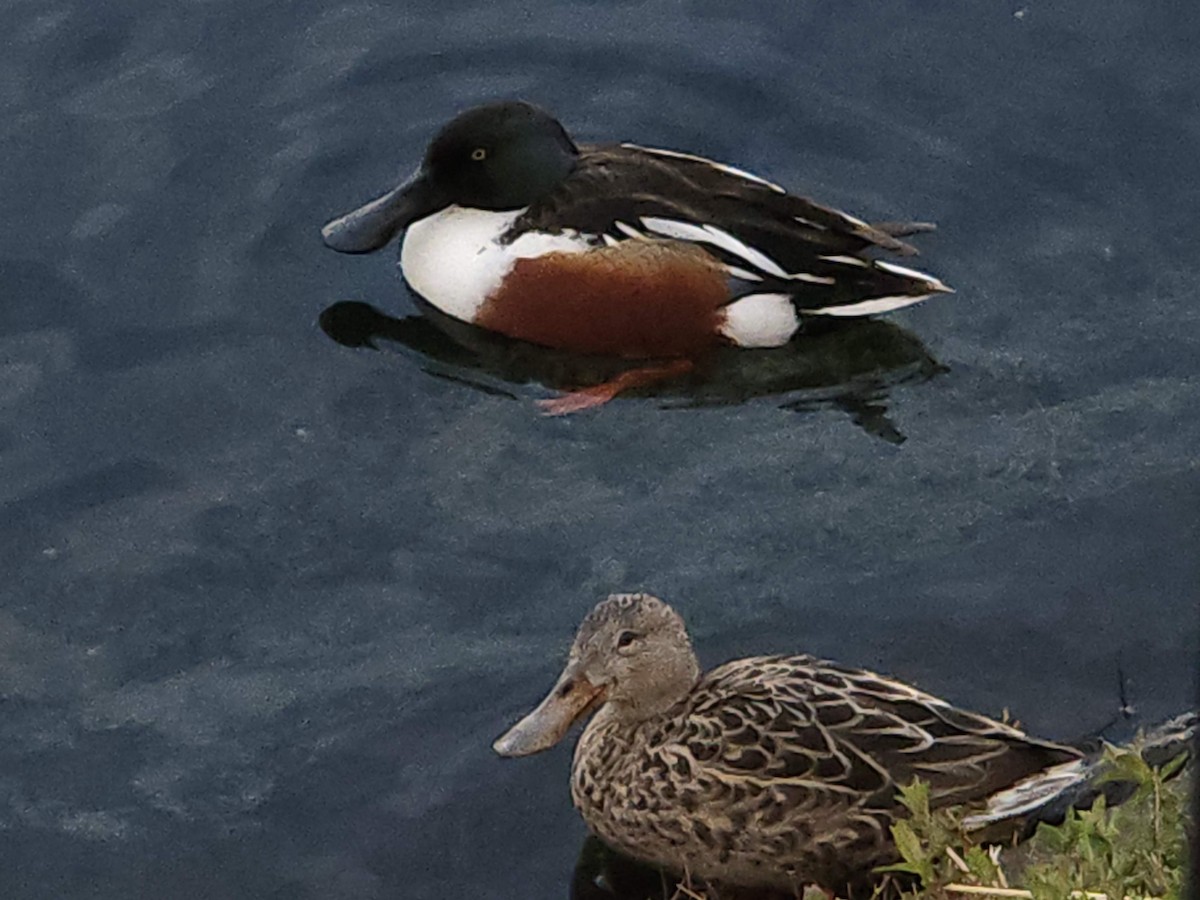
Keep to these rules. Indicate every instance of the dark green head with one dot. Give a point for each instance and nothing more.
(500, 156)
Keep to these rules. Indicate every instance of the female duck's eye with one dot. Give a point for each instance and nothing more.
(625, 638)
(479, 154)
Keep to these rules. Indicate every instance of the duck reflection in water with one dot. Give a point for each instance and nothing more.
(850, 365)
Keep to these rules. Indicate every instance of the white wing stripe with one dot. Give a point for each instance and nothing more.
(673, 228)
(847, 261)
(628, 230)
(906, 272)
(867, 307)
(709, 234)
(754, 257)
(730, 170)
(744, 274)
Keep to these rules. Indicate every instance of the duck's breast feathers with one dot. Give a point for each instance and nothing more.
(851, 735)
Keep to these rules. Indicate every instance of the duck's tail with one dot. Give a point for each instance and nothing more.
(1049, 795)
(904, 229)
(863, 287)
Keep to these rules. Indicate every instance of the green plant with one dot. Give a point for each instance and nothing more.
(1138, 849)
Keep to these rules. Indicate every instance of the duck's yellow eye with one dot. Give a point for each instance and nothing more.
(479, 154)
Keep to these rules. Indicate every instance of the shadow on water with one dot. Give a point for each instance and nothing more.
(603, 874)
(851, 366)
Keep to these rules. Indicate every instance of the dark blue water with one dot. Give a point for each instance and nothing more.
(266, 599)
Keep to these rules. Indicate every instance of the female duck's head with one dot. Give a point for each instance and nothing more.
(502, 156)
(632, 654)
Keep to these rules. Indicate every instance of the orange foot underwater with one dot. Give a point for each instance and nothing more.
(599, 394)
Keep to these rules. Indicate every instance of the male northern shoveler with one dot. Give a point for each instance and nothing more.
(782, 771)
(622, 250)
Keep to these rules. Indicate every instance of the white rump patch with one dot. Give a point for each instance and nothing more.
(722, 167)
(760, 320)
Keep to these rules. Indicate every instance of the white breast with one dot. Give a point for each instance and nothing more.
(454, 258)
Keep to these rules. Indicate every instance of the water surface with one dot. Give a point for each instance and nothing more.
(268, 597)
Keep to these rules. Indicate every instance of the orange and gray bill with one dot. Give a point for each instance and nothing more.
(570, 698)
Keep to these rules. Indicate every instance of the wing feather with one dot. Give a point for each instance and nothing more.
(752, 226)
(845, 738)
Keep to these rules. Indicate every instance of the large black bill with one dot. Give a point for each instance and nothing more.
(371, 226)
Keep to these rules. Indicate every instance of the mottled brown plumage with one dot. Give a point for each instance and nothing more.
(773, 771)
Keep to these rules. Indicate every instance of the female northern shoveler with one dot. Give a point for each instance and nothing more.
(782, 771)
(621, 250)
